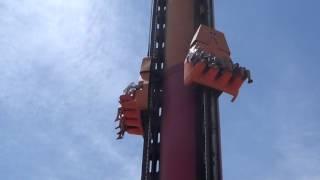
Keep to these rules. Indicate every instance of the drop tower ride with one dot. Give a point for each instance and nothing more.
(175, 104)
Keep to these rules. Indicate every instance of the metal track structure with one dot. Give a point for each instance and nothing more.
(209, 140)
(152, 123)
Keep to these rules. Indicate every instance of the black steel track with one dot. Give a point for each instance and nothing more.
(209, 141)
(152, 124)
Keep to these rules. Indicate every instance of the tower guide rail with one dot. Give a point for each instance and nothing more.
(152, 124)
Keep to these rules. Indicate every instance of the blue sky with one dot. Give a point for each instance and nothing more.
(64, 63)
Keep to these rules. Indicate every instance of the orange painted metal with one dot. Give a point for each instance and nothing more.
(212, 42)
(141, 96)
(129, 114)
(224, 82)
(133, 102)
(134, 130)
(145, 68)
(219, 72)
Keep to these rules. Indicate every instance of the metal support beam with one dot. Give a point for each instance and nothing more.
(209, 153)
(151, 147)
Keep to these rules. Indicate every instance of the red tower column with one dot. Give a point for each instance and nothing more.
(178, 131)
